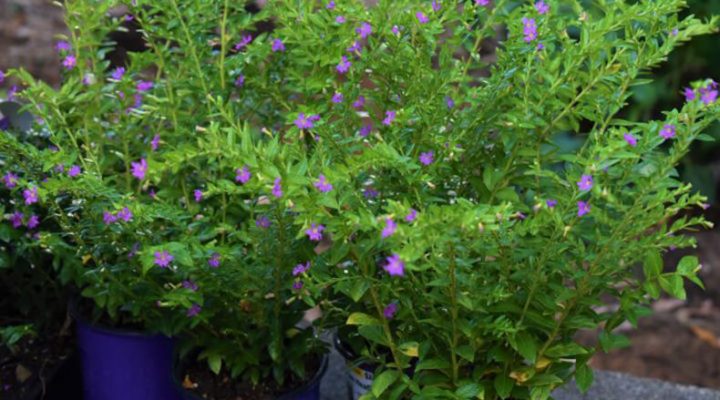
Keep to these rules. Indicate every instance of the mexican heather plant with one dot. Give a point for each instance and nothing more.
(372, 161)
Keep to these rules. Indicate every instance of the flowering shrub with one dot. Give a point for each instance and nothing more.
(373, 162)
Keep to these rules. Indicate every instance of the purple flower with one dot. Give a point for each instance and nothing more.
(529, 29)
(364, 30)
(449, 102)
(394, 266)
(315, 232)
(10, 180)
(30, 195)
(262, 222)
(422, 18)
(340, 19)
(242, 175)
(689, 94)
(118, 73)
(125, 214)
(60, 168)
(62, 45)
(427, 158)
(214, 261)
(16, 219)
(585, 182)
(74, 171)
(356, 47)
(297, 285)
(551, 203)
(708, 95)
(144, 86)
(277, 188)
(359, 102)
(2, 76)
(389, 118)
(370, 193)
(69, 62)
(88, 79)
(395, 30)
(412, 215)
(109, 218)
(344, 65)
(330, 5)
(323, 185)
(301, 269)
(189, 284)
(542, 7)
(435, 6)
(240, 81)
(198, 195)
(484, 3)
(134, 250)
(668, 131)
(337, 98)
(139, 169)
(365, 130)
(33, 221)
(583, 208)
(278, 45)
(163, 258)
(390, 310)
(155, 143)
(194, 310)
(244, 42)
(304, 122)
(389, 229)
(630, 139)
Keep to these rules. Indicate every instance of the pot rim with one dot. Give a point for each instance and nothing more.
(75, 313)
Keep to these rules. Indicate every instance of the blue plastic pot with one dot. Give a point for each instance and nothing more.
(124, 365)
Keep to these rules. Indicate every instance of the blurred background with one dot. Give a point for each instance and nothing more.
(680, 342)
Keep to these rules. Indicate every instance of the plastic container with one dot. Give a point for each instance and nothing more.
(359, 375)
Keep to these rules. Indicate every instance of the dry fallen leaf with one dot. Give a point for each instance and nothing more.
(22, 374)
(706, 336)
(188, 384)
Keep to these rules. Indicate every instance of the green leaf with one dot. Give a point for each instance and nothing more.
(673, 285)
(358, 289)
(359, 318)
(526, 346)
(469, 391)
(653, 265)
(410, 349)
(503, 385)
(583, 377)
(610, 341)
(432, 363)
(383, 381)
(565, 349)
(215, 363)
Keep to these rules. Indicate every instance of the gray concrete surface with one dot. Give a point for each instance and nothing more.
(607, 386)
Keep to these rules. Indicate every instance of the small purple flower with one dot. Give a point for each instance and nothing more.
(2, 76)
(585, 182)
(277, 188)
(118, 73)
(10, 180)
(323, 185)
(262, 222)
(301, 269)
(33, 221)
(315, 232)
(62, 45)
(364, 30)
(337, 98)
(340, 19)
(198, 194)
(125, 214)
(74, 171)
(435, 6)
(189, 284)
(583, 208)
(60, 168)
(16, 219)
(69, 62)
(139, 169)
(240, 81)
(88, 79)
(155, 143)
(144, 86)
(356, 47)
(304, 122)
(330, 5)
(427, 158)
(668, 131)
(394, 266)
(708, 95)
(214, 261)
(370, 193)
(194, 310)
(689, 94)
(390, 310)
(109, 218)
(359, 102)
(344, 65)
(134, 250)
(278, 45)
(422, 18)
(412, 215)
(389, 118)
(529, 29)
(542, 7)
(244, 42)
(297, 285)
(551, 203)
(365, 130)
(242, 175)
(30, 195)
(449, 102)
(630, 139)
(389, 229)
(395, 30)
(163, 258)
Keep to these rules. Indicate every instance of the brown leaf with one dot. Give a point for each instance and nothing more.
(22, 374)
(188, 384)
(706, 336)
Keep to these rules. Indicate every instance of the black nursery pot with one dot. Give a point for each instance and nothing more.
(359, 375)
